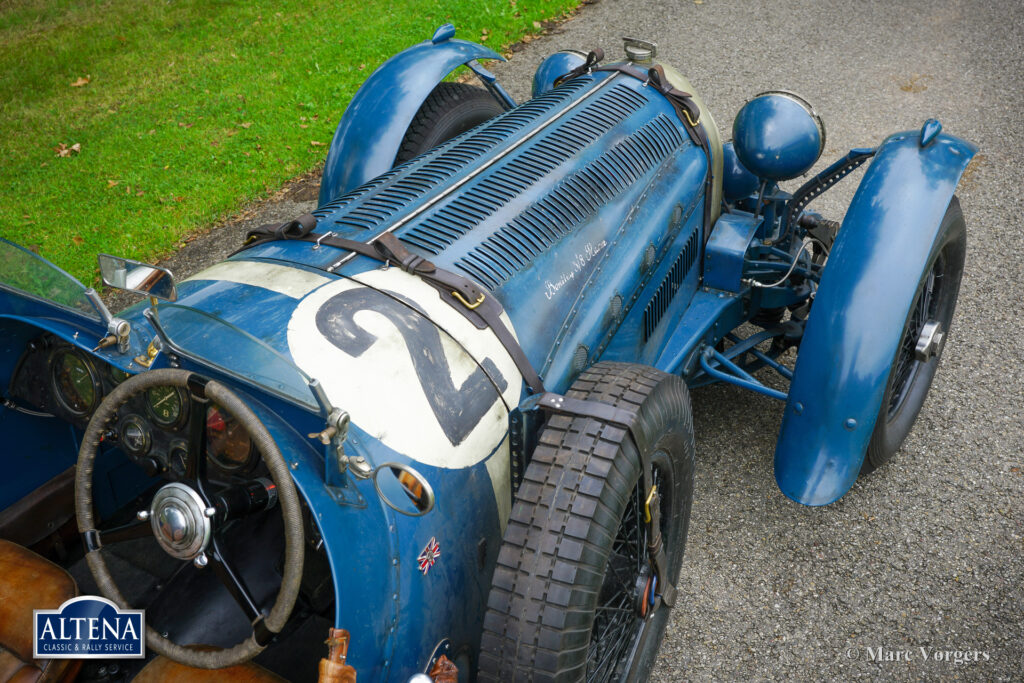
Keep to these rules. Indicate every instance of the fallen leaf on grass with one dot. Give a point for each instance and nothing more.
(78, 241)
(246, 124)
(536, 24)
(112, 183)
(316, 144)
(82, 80)
(63, 150)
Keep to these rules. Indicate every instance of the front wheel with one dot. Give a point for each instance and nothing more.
(573, 596)
(924, 336)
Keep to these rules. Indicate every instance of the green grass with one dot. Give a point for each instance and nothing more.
(192, 108)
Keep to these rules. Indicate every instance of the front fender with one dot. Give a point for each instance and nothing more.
(859, 313)
(371, 130)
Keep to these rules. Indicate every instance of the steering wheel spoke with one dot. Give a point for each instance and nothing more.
(126, 532)
(232, 580)
(195, 470)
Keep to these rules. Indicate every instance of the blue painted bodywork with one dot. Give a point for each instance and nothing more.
(859, 314)
(371, 130)
(737, 181)
(582, 212)
(553, 67)
(726, 250)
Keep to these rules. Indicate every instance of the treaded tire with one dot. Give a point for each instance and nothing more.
(554, 564)
(909, 379)
(451, 109)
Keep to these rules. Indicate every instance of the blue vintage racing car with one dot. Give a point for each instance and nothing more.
(444, 420)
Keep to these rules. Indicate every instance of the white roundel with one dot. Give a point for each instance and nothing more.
(402, 378)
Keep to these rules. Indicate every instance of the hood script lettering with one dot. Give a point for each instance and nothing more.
(579, 262)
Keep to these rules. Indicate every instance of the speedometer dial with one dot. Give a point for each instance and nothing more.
(166, 405)
(74, 382)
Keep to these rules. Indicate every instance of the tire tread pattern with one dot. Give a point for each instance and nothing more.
(563, 522)
(437, 111)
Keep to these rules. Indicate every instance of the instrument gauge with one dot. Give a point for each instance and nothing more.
(228, 444)
(75, 382)
(135, 435)
(177, 458)
(117, 375)
(166, 405)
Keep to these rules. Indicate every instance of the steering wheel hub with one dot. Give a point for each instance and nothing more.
(179, 521)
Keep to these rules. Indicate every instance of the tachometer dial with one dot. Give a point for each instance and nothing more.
(75, 382)
(135, 436)
(166, 405)
(228, 444)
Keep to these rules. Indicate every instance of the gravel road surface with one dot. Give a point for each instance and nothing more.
(921, 562)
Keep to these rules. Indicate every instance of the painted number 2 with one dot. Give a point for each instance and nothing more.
(457, 409)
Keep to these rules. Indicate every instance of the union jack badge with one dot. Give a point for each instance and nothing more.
(429, 555)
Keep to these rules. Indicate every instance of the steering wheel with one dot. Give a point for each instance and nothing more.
(184, 516)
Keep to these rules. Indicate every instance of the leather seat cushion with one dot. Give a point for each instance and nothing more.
(163, 670)
(27, 582)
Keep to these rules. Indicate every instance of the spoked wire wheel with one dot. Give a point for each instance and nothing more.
(924, 336)
(628, 592)
(571, 597)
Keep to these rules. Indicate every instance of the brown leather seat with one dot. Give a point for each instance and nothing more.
(163, 670)
(28, 582)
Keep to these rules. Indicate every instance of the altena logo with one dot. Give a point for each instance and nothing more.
(89, 627)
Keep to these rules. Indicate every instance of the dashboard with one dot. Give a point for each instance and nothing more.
(55, 378)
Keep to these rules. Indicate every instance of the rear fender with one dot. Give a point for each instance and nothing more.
(859, 312)
(371, 130)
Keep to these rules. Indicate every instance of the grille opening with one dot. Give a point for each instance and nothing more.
(385, 195)
(540, 159)
(659, 303)
(579, 196)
